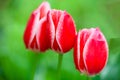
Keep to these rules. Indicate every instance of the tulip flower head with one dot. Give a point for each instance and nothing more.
(61, 30)
(90, 51)
(35, 32)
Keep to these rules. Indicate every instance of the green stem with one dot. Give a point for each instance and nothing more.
(88, 77)
(60, 57)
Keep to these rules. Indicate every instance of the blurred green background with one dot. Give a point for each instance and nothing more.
(17, 63)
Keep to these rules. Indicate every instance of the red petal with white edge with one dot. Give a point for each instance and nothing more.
(95, 53)
(34, 24)
(53, 20)
(28, 30)
(77, 52)
(50, 29)
(78, 49)
(42, 35)
(43, 9)
(65, 32)
(56, 14)
(33, 43)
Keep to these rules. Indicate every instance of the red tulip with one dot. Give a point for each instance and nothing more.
(35, 33)
(61, 30)
(90, 51)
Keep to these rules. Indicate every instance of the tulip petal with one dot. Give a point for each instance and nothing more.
(53, 19)
(56, 15)
(28, 29)
(42, 35)
(83, 35)
(43, 9)
(28, 33)
(77, 52)
(95, 52)
(51, 29)
(61, 30)
(35, 23)
(66, 32)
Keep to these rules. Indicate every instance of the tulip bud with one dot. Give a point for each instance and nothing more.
(35, 33)
(90, 51)
(61, 30)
